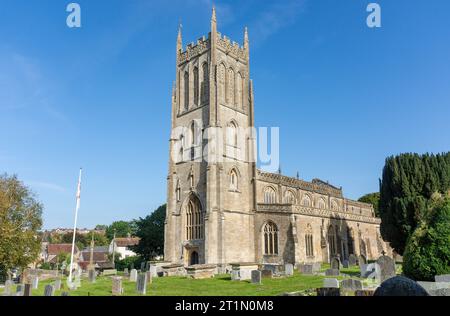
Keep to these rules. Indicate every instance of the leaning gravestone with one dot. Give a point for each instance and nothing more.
(49, 290)
(335, 263)
(117, 286)
(352, 260)
(330, 283)
(256, 277)
(133, 275)
(27, 290)
(345, 264)
(400, 286)
(141, 285)
(332, 272)
(361, 260)
(35, 282)
(387, 268)
(289, 269)
(143, 266)
(370, 271)
(351, 285)
(8, 288)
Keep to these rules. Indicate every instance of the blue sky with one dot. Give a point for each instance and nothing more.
(344, 96)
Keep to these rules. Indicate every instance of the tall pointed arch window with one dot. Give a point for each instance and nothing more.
(231, 87)
(196, 86)
(332, 241)
(309, 241)
(289, 197)
(239, 92)
(306, 201)
(222, 91)
(321, 204)
(232, 134)
(205, 86)
(194, 220)
(186, 90)
(233, 180)
(270, 239)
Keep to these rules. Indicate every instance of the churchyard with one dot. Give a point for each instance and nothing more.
(353, 277)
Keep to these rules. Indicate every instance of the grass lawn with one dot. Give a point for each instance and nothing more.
(220, 285)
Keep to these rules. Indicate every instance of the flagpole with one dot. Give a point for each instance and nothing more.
(75, 225)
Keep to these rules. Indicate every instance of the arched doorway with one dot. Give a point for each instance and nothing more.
(193, 258)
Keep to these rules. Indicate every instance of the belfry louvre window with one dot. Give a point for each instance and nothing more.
(270, 239)
(186, 90)
(194, 220)
(196, 86)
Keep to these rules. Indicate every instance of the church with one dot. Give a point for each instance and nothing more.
(224, 210)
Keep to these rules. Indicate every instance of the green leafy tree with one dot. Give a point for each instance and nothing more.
(121, 228)
(151, 232)
(428, 249)
(101, 227)
(372, 198)
(20, 221)
(408, 182)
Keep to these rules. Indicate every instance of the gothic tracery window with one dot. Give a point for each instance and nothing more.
(309, 241)
(306, 201)
(270, 196)
(332, 241)
(239, 92)
(205, 86)
(221, 76)
(270, 235)
(230, 87)
(233, 180)
(232, 134)
(321, 204)
(194, 220)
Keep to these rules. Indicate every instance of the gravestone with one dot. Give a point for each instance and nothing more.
(235, 275)
(19, 290)
(289, 269)
(352, 260)
(317, 266)
(141, 285)
(351, 285)
(370, 271)
(27, 290)
(330, 283)
(440, 292)
(256, 277)
(345, 264)
(126, 273)
(328, 291)
(133, 275)
(149, 277)
(65, 294)
(400, 286)
(35, 282)
(335, 263)
(387, 268)
(306, 269)
(267, 274)
(142, 266)
(361, 260)
(92, 276)
(57, 284)
(8, 288)
(332, 272)
(49, 290)
(442, 278)
(117, 286)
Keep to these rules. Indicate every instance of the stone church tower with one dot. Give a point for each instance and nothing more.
(220, 208)
(211, 187)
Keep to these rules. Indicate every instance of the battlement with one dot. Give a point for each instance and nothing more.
(193, 50)
(231, 47)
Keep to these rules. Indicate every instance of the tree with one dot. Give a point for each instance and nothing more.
(20, 221)
(101, 227)
(372, 198)
(151, 232)
(428, 249)
(121, 228)
(408, 182)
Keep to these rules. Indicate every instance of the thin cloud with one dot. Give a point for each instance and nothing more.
(275, 18)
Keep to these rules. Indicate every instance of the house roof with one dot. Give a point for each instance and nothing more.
(98, 256)
(55, 249)
(125, 242)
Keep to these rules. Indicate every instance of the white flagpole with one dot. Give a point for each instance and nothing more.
(75, 225)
